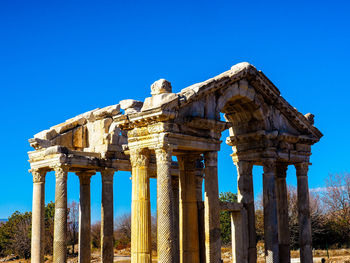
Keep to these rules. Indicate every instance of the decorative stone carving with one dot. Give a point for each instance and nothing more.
(38, 176)
(139, 157)
(161, 86)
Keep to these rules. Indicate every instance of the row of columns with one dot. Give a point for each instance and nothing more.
(60, 220)
(179, 222)
(275, 202)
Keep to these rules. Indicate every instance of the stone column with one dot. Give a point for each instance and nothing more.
(175, 187)
(270, 212)
(305, 237)
(107, 242)
(282, 214)
(60, 224)
(239, 235)
(84, 238)
(38, 216)
(200, 206)
(189, 239)
(212, 209)
(165, 217)
(246, 197)
(141, 246)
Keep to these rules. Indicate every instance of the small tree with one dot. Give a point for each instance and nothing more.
(225, 217)
(73, 224)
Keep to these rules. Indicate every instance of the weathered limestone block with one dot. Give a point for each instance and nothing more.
(270, 212)
(141, 246)
(38, 216)
(131, 106)
(107, 243)
(160, 87)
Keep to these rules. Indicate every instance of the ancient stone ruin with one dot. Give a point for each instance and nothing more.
(143, 137)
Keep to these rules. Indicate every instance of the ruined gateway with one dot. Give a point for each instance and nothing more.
(142, 137)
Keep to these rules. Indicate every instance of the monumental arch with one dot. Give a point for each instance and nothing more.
(142, 137)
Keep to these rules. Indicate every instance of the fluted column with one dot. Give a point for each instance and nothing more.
(141, 246)
(282, 213)
(165, 211)
(38, 216)
(107, 242)
(270, 212)
(189, 243)
(246, 197)
(305, 237)
(60, 224)
(84, 239)
(212, 209)
(175, 188)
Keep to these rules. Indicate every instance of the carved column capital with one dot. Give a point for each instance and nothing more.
(164, 155)
(85, 176)
(188, 161)
(38, 175)
(269, 166)
(139, 157)
(61, 171)
(211, 159)
(281, 170)
(302, 168)
(107, 175)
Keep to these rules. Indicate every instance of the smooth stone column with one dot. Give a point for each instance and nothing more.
(212, 209)
(282, 213)
(239, 234)
(175, 187)
(270, 212)
(84, 238)
(141, 246)
(60, 224)
(305, 237)
(38, 216)
(107, 242)
(200, 206)
(165, 210)
(246, 197)
(189, 238)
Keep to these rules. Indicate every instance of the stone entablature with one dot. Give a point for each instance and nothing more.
(142, 137)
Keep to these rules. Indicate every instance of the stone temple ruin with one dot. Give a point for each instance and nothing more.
(264, 130)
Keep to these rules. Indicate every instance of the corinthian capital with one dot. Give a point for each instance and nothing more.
(139, 157)
(269, 166)
(61, 171)
(302, 168)
(164, 155)
(38, 175)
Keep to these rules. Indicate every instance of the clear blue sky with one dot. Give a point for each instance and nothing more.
(62, 58)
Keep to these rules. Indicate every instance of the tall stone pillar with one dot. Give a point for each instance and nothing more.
(165, 217)
(189, 239)
(38, 216)
(212, 209)
(175, 187)
(305, 237)
(240, 236)
(200, 206)
(107, 242)
(60, 224)
(282, 213)
(84, 238)
(246, 197)
(270, 212)
(141, 246)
